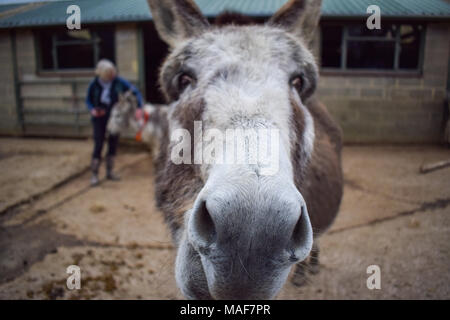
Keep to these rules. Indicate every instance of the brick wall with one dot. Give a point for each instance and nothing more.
(393, 109)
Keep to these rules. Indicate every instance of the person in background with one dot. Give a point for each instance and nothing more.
(103, 93)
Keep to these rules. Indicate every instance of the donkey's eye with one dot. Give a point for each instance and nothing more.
(297, 83)
(184, 80)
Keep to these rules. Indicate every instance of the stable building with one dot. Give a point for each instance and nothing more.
(388, 85)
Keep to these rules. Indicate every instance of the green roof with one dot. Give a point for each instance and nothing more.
(389, 8)
(92, 11)
(8, 7)
(335, 8)
(102, 11)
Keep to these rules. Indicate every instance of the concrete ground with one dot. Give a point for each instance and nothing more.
(391, 216)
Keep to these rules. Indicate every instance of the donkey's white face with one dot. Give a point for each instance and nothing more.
(245, 229)
(122, 114)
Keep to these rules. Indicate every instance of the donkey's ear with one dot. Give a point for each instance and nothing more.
(299, 17)
(176, 20)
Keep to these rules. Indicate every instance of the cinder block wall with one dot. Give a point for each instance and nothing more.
(40, 93)
(127, 51)
(393, 109)
(127, 57)
(26, 54)
(56, 92)
(369, 109)
(8, 115)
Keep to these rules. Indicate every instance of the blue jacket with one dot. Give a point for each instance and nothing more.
(118, 86)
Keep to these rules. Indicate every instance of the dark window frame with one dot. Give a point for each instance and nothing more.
(395, 71)
(95, 42)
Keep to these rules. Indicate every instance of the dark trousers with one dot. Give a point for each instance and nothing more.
(99, 126)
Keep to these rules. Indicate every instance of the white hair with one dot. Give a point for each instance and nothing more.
(104, 66)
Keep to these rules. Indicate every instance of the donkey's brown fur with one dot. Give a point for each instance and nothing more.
(177, 185)
(321, 184)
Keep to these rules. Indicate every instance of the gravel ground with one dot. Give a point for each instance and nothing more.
(391, 216)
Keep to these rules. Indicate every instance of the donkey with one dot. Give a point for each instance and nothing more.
(122, 114)
(154, 127)
(239, 233)
(148, 130)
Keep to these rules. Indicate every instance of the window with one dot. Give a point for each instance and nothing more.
(395, 47)
(73, 50)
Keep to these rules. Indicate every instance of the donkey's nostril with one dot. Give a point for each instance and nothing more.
(301, 241)
(298, 236)
(204, 230)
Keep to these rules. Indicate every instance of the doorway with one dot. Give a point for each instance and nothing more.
(155, 51)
